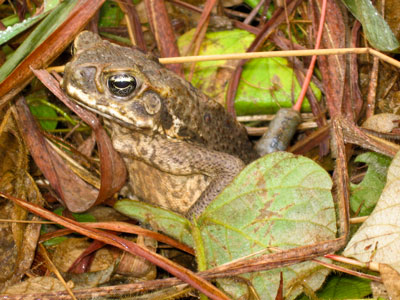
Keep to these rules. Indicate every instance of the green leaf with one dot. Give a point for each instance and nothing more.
(37, 36)
(252, 3)
(206, 72)
(375, 27)
(14, 30)
(266, 85)
(80, 217)
(345, 287)
(110, 15)
(44, 111)
(161, 219)
(367, 193)
(280, 200)
(54, 241)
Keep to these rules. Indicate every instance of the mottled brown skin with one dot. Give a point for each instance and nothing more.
(181, 147)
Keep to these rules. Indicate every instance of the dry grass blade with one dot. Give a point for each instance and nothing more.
(49, 50)
(53, 268)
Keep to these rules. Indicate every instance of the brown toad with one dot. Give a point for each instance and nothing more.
(180, 147)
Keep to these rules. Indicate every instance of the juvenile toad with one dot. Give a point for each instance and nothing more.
(181, 148)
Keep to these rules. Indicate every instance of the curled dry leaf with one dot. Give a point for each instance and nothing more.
(377, 240)
(138, 267)
(383, 123)
(65, 253)
(53, 167)
(102, 263)
(83, 196)
(17, 240)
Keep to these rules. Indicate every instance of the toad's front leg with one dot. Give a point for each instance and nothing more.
(178, 157)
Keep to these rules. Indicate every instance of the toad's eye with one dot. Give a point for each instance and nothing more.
(121, 85)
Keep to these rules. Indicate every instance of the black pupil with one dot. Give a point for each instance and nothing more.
(121, 85)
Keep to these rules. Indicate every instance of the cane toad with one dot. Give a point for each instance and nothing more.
(181, 148)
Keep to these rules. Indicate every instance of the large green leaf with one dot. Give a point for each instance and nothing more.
(375, 27)
(365, 194)
(206, 76)
(266, 84)
(280, 200)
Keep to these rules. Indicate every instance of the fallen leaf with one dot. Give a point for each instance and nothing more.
(378, 239)
(17, 240)
(383, 123)
(391, 281)
(37, 285)
(375, 27)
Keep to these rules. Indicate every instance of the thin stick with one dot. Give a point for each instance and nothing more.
(310, 71)
(373, 82)
(25, 221)
(358, 220)
(289, 53)
(384, 57)
(286, 53)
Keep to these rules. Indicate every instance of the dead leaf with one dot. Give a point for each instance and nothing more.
(378, 239)
(391, 280)
(17, 240)
(383, 123)
(66, 252)
(37, 285)
(61, 178)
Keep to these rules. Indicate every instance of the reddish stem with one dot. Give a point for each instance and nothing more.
(310, 70)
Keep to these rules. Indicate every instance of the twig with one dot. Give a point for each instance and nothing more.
(290, 53)
(250, 55)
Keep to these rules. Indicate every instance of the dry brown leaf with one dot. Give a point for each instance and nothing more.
(37, 285)
(17, 240)
(378, 239)
(135, 266)
(383, 123)
(391, 280)
(66, 252)
(82, 196)
(77, 199)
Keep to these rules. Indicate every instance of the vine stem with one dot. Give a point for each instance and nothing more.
(310, 70)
